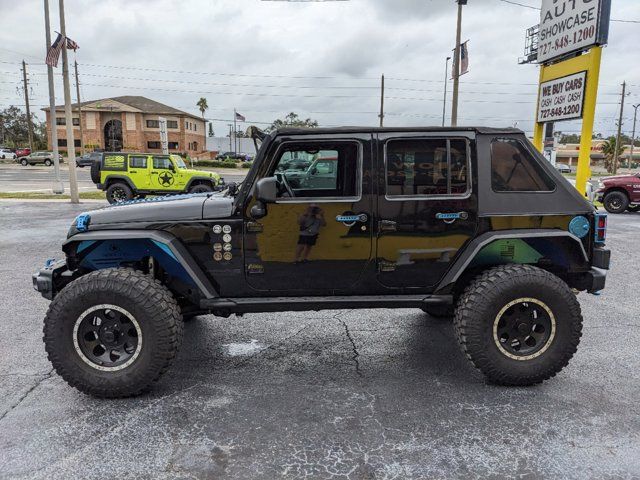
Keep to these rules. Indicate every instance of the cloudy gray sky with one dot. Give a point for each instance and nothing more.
(320, 59)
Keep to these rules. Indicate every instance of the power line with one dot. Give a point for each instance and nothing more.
(536, 8)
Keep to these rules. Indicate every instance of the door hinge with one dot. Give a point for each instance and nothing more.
(386, 266)
(254, 227)
(387, 226)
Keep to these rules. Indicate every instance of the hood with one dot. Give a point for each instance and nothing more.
(200, 173)
(175, 208)
(615, 178)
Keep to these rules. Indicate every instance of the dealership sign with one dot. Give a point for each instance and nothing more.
(568, 26)
(561, 98)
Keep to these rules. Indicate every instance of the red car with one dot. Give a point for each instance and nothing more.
(22, 152)
(619, 193)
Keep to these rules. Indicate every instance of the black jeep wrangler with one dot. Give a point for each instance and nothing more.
(466, 222)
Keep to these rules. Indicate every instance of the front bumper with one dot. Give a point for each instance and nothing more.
(43, 281)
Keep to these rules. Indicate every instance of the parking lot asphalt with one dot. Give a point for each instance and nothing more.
(38, 178)
(347, 394)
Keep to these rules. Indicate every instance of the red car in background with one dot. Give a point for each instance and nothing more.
(22, 152)
(620, 193)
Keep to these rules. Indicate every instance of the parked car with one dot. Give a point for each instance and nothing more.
(125, 176)
(619, 193)
(442, 220)
(35, 158)
(22, 152)
(232, 156)
(562, 168)
(87, 159)
(7, 153)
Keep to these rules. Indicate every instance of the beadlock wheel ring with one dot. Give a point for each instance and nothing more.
(548, 338)
(84, 316)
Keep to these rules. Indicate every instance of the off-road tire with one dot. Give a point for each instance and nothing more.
(153, 307)
(119, 189)
(24, 162)
(633, 208)
(47, 162)
(201, 188)
(615, 202)
(478, 309)
(440, 311)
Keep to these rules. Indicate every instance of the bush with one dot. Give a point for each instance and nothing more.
(246, 164)
(216, 164)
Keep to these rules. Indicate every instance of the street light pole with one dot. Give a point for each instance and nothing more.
(456, 66)
(444, 99)
(615, 153)
(633, 135)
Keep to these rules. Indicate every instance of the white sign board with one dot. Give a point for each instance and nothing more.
(164, 141)
(571, 25)
(561, 98)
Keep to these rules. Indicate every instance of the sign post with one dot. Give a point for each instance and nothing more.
(164, 141)
(568, 77)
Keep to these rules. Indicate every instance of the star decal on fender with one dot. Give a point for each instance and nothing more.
(166, 179)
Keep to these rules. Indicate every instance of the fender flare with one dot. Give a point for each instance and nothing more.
(210, 180)
(166, 241)
(110, 179)
(472, 249)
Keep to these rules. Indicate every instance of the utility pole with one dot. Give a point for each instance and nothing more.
(444, 99)
(71, 150)
(79, 108)
(58, 187)
(230, 148)
(381, 101)
(456, 66)
(25, 83)
(615, 153)
(633, 135)
(235, 136)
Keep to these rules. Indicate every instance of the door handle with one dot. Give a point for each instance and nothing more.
(350, 219)
(452, 217)
(387, 226)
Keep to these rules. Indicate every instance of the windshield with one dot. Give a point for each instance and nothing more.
(179, 161)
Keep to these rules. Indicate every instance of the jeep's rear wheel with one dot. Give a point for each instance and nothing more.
(615, 202)
(119, 192)
(201, 188)
(518, 324)
(113, 332)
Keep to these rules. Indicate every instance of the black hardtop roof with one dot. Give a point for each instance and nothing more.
(329, 130)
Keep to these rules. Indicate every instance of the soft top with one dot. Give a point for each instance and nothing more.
(346, 129)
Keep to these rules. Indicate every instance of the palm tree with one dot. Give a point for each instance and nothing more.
(609, 148)
(202, 105)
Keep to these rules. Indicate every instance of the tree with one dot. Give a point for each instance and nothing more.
(292, 120)
(202, 105)
(609, 150)
(14, 129)
(211, 134)
(570, 138)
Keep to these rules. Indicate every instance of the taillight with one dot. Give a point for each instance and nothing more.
(600, 228)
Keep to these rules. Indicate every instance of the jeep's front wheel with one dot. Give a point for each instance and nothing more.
(119, 192)
(113, 332)
(201, 188)
(615, 202)
(518, 324)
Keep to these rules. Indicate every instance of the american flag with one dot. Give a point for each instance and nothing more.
(464, 58)
(53, 54)
(239, 117)
(71, 45)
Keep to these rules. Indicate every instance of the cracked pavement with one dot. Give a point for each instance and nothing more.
(348, 394)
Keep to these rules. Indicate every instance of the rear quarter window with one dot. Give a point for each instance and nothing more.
(114, 163)
(515, 169)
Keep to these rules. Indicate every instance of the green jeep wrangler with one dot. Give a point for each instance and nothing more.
(125, 176)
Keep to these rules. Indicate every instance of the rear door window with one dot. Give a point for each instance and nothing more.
(137, 161)
(514, 169)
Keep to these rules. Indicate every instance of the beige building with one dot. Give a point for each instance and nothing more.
(129, 123)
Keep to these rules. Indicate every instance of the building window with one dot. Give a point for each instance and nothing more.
(172, 124)
(153, 145)
(194, 146)
(195, 127)
(62, 142)
(61, 121)
(76, 122)
(513, 169)
(153, 124)
(173, 145)
(187, 125)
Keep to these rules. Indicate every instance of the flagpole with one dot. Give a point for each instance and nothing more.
(235, 137)
(71, 151)
(58, 187)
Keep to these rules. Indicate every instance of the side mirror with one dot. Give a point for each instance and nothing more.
(266, 190)
(258, 210)
(172, 167)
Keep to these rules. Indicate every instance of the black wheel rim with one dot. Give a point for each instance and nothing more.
(615, 203)
(107, 337)
(118, 194)
(524, 328)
